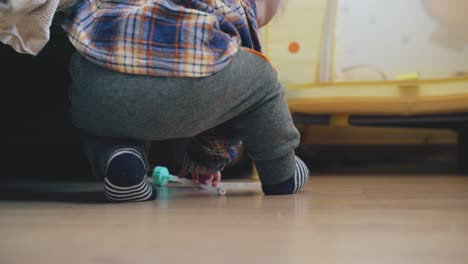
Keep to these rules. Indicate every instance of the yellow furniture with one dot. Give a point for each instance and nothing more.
(400, 61)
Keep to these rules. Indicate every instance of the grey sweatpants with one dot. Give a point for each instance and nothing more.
(121, 110)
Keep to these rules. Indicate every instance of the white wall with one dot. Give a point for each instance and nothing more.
(379, 39)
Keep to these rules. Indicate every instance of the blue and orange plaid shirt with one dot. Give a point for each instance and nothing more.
(173, 38)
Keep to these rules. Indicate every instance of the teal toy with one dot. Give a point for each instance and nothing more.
(161, 177)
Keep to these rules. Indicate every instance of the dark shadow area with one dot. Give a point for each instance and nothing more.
(381, 160)
(48, 191)
(38, 138)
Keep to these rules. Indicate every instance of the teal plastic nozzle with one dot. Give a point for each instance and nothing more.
(161, 176)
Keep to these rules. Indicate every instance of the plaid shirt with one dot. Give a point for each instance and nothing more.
(175, 38)
(209, 153)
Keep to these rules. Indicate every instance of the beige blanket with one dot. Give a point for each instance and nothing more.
(25, 24)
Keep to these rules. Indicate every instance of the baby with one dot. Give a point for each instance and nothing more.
(165, 69)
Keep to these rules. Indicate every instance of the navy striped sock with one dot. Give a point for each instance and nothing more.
(125, 179)
(291, 185)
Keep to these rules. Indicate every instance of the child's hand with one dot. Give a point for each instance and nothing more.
(266, 10)
(209, 179)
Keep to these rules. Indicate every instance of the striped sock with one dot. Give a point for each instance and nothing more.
(291, 185)
(125, 179)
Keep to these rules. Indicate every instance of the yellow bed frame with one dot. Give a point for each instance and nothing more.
(294, 42)
(301, 44)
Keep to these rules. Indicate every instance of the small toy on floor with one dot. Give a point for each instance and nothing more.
(161, 177)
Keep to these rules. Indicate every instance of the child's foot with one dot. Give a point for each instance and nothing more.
(125, 179)
(291, 185)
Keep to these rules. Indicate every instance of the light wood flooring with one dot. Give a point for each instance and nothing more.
(373, 219)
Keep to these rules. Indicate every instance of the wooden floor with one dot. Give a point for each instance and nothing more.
(337, 219)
